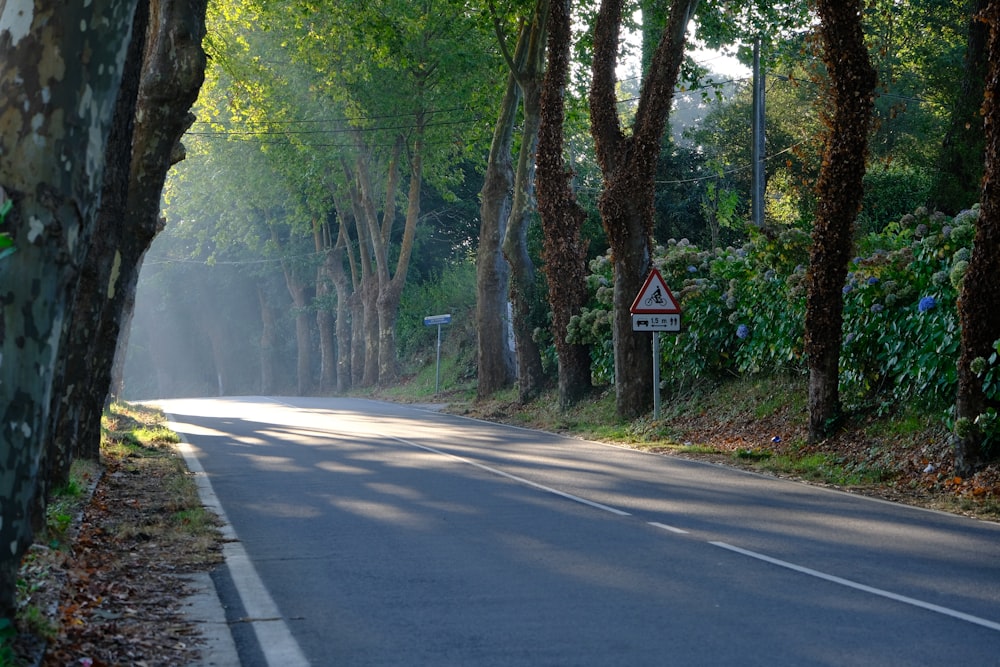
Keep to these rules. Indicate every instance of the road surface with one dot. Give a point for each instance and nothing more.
(370, 533)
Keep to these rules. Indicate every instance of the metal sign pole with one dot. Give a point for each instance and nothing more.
(656, 375)
(437, 372)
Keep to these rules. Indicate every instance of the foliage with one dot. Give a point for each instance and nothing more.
(6, 242)
(453, 292)
(743, 312)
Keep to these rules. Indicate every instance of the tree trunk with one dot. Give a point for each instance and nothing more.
(979, 302)
(58, 112)
(628, 165)
(565, 253)
(523, 284)
(852, 83)
(324, 313)
(495, 366)
(365, 312)
(303, 338)
(97, 284)
(342, 286)
(172, 66)
(960, 165)
(390, 295)
(268, 343)
(496, 369)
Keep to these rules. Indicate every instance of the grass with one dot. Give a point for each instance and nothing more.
(134, 438)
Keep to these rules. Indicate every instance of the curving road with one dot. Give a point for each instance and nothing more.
(370, 533)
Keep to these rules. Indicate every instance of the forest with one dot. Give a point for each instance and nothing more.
(321, 176)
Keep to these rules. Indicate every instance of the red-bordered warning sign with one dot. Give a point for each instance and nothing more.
(655, 297)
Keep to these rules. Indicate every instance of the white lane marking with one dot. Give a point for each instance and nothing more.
(273, 635)
(863, 587)
(672, 529)
(520, 480)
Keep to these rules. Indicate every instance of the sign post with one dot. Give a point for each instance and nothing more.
(655, 309)
(437, 320)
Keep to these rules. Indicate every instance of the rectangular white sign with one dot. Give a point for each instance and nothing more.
(651, 322)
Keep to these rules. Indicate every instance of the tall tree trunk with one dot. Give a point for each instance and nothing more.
(565, 253)
(496, 369)
(960, 165)
(852, 82)
(173, 68)
(324, 312)
(342, 286)
(58, 113)
(495, 365)
(628, 165)
(524, 295)
(97, 283)
(979, 302)
(365, 308)
(298, 290)
(389, 296)
(268, 342)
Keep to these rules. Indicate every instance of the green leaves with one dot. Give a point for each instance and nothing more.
(6, 242)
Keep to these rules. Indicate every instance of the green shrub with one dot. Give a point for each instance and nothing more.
(744, 312)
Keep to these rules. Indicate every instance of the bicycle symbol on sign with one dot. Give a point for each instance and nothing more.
(656, 297)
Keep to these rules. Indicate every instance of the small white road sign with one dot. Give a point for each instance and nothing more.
(647, 322)
(436, 320)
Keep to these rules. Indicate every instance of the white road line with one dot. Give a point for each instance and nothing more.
(275, 639)
(863, 587)
(520, 480)
(672, 529)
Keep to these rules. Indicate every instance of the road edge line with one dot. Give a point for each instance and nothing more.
(275, 639)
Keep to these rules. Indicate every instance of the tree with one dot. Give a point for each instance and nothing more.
(506, 196)
(524, 292)
(392, 68)
(495, 366)
(839, 190)
(59, 110)
(979, 300)
(565, 253)
(172, 65)
(628, 164)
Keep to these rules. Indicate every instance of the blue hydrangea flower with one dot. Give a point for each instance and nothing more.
(873, 280)
(847, 289)
(876, 307)
(742, 331)
(692, 269)
(926, 303)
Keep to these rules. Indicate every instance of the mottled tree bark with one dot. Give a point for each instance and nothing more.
(979, 302)
(495, 365)
(172, 71)
(852, 82)
(628, 164)
(524, 295)
(96, 283)
(565, 252)
(57, 113)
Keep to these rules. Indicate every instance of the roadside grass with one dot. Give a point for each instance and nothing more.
(135, 442)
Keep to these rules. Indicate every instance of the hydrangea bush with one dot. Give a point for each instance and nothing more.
(744, 311)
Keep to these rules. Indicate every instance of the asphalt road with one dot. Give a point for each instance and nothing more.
(370, 533)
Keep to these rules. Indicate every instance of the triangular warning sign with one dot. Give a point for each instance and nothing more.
(655, 297)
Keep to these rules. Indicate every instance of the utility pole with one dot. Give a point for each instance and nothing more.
(757, 187)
